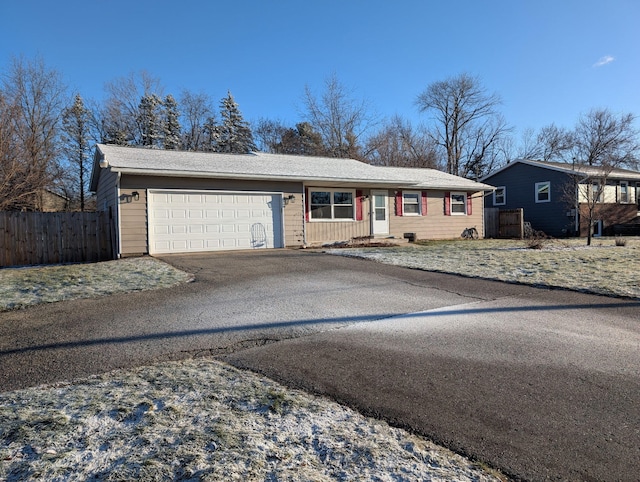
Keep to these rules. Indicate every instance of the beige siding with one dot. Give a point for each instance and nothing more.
(294, 221)
(134, 223)
(106, 193)
(436, 225)
(610, 193)
(331, 231)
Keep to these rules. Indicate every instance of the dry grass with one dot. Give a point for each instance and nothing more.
(22, 287)
(602, 268)
(202, 420)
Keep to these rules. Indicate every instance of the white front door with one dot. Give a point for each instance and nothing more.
(379, 212)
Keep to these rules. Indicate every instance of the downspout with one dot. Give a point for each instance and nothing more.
(119, 238)
(304, 216)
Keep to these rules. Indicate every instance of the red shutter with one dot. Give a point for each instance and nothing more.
(358, 205)
(447, 203)
(306, 205)
(424, 203)
(469, 204)
(398, 203)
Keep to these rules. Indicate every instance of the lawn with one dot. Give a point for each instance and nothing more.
(601, 268)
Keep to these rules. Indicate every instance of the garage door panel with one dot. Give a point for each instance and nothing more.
(208, 221)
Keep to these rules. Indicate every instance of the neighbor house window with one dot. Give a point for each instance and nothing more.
(624, 192)
(411, 203)
(500, 196)
(458, 203)
(543, 192)
(596, 191)
(331, 204)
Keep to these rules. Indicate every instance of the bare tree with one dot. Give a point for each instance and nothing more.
(603, 139)
(466, 125)
(551, 143)
(122, 121)
(341, 120)
(196, 110)
(268, 134)
(32, 97)
(399, 144)
(602, 142)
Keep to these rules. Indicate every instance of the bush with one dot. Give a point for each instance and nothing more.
(620, 241)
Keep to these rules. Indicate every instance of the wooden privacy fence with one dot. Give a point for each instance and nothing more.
(504, 223)
(29, 238)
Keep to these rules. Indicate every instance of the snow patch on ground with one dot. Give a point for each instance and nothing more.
(203, 420)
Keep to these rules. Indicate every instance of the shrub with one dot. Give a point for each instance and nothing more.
(620, 241)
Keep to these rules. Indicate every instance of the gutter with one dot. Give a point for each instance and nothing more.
(398, 183)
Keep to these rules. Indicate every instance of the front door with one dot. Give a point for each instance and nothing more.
(379, 213)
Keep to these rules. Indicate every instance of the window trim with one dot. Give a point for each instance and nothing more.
(597, 192)
(464, 203)
(418, 203)
(333, 219)
(504, 196)
(627, 193)
(537, 192)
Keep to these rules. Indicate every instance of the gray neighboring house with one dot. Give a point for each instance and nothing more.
(166, 201)
(541, 189)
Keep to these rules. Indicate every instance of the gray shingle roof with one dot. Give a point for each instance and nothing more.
(586, 171)
(264, 166)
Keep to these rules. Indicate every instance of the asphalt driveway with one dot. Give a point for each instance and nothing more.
(541, 384)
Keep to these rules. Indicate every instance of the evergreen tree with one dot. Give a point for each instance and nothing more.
(234, 134)
(302, 141)
(76, 138)
(171, 125)
(149, 120)
(210, 131)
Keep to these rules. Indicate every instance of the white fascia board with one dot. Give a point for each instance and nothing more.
(256, 177)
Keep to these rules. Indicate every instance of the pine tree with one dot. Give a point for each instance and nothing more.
(171, 124)
(234, 132)
(76, 138)
(210, 131)
(149, 120)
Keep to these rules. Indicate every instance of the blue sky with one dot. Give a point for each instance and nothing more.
(549, 60)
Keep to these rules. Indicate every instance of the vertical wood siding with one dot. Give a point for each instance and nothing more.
(30, 238)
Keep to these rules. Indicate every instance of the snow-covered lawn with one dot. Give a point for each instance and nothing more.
(21, 287)
(602, 268)
(202, 420)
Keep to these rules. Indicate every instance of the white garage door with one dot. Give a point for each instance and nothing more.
(184, 221)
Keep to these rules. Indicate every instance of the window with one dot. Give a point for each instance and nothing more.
(596, 191)
(331, 204)
(624, 192)
(500, 196)
(411, 203)
(458, 203)
(543, 192)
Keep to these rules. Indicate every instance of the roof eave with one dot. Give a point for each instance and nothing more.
(248, 177)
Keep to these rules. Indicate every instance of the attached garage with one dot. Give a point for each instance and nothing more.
(191, 221)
